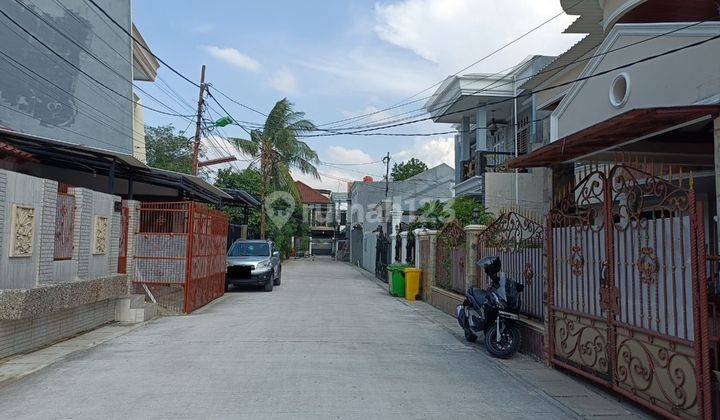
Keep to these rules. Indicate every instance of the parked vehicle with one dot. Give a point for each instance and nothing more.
(493, 311)
(253, 262)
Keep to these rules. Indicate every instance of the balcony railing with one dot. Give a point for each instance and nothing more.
(486, 161)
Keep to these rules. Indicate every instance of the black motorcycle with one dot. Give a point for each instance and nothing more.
(493, 311)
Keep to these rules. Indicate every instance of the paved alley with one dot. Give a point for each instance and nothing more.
(327, 343)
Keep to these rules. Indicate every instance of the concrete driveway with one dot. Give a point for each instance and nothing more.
(327, 343)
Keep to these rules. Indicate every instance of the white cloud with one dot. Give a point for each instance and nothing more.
(283, 81)
(371, 114)
(371, 70)
(339, 154)
(233, 57)
(454, 33)
(431, 151)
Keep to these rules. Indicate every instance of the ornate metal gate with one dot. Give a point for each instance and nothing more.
(626, 292)
(450, 254)
(382, 256)
(519, 243)
(410, 247)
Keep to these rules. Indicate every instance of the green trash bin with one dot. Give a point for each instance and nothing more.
(396, 285)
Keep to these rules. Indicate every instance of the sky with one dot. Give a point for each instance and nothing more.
(336, 59)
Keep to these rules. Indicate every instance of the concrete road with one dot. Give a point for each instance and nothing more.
(327, 343)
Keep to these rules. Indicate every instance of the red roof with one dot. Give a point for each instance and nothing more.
(309, 195)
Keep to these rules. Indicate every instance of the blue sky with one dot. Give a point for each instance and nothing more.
(336, 59)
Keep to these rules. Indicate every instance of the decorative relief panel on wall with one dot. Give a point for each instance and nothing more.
(22, 230)
(100, 229)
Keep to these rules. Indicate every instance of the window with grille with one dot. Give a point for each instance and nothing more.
(64, 225)
(523, 135)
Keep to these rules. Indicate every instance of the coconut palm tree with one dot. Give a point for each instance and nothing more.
(277, 149)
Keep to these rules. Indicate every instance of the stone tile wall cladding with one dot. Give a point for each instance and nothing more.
(43, 300)
(533, 341)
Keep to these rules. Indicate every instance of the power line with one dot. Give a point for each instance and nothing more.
(175, 96)
(547, 70)
(513, 41)
(81, 47)
(352, 164)
(107, 15)
(141, 45)
(35, 76)
(531, 92)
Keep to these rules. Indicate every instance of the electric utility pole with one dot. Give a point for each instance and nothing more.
(386, 160)
(198, 125)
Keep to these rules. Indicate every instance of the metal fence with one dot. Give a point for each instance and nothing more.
(627, 291)
(450, 258)
(180, 254)
(519, 243)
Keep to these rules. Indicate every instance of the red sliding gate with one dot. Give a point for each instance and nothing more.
(180, 254)
(627, 295)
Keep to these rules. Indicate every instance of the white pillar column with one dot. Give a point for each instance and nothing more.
(480, 132)
(395, 219)
(403, 247)
(471, 236)
(417, 247)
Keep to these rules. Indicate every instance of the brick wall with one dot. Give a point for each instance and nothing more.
(83, 225)
(133, 227)
(24, 335)
(46, 225)
(114, 232)
(39, 266)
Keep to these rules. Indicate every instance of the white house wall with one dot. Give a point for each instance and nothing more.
(663, 82)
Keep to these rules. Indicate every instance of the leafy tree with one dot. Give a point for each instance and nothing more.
(167, 150)
(404, 170)
(247, 180)
(278, 148)
(463, 208)
(432, 215)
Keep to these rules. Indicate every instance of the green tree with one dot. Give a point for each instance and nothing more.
(464, 207)
(404, 170)
(247, 180)
(278, 149)
(167, 150)
(432, 215)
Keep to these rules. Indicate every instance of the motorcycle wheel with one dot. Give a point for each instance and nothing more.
(508, 344)
(470, 337)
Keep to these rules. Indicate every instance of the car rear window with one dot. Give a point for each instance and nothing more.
(249, 249)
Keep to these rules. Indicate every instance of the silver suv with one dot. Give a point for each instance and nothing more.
(253, 262)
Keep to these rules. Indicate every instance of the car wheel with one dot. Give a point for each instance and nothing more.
(278, 279)
(268, 285)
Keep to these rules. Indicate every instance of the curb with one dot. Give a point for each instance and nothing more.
(29, 366)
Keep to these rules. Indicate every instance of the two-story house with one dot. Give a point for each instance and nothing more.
(319, 215)
(493, 124)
